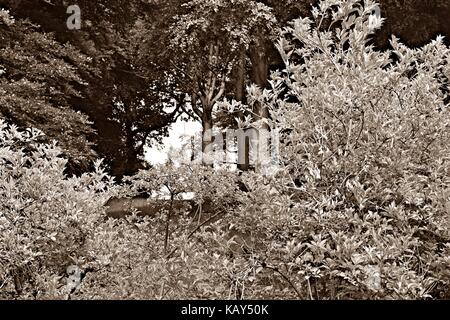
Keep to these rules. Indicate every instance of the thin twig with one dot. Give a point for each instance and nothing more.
(285, 278)
(194, 231)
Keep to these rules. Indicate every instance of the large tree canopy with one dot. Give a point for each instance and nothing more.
(126, 106)
(141, 62)
(38, 78)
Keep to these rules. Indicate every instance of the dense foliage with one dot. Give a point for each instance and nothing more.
(366, 161)
(46, 219)
(122, 95)
(38, 79)
(357, 208)
(135, 54)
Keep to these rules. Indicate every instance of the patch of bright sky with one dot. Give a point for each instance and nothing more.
(177, 134)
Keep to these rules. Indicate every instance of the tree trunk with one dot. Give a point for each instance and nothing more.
(243, 162)
(209, 91)
(240, 78)
(259, 76)
(260, 73)
(207, 138)
(131, 163)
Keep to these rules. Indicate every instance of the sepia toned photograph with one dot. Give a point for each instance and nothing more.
(229, 150)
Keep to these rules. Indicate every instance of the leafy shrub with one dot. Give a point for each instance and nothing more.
(46, 218)
(362, 207)
(158, 255)
(50, 222)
